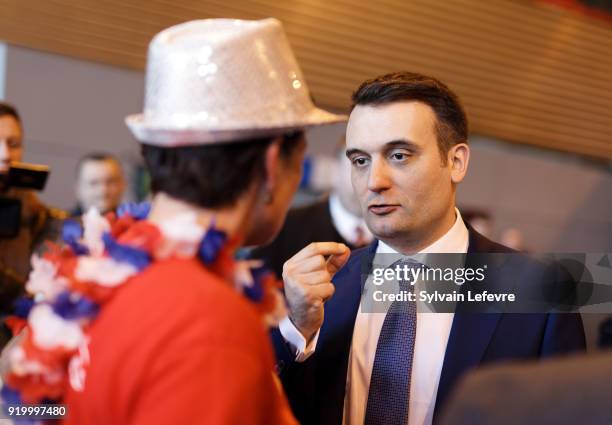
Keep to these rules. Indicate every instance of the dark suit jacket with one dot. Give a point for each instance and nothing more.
(565, 391)
(316, 387)
(311, 223)
(38, 223)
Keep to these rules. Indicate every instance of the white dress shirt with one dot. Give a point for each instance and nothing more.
(432, 332)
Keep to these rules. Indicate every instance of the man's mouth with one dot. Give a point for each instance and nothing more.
(382, 209)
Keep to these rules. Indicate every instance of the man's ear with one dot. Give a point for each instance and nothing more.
(459, 158)
(272, 164)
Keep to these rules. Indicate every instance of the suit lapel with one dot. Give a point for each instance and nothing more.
(469, 337)
(341, 309)
(337, 334)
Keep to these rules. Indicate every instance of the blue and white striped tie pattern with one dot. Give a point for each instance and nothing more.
(390, 382)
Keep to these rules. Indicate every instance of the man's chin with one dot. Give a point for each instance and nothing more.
(383, 228)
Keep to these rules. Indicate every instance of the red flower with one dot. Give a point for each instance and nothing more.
(15, 324)
(56, 359)
(141, 235)
(121, 225)
(33, 389)
(96, 293)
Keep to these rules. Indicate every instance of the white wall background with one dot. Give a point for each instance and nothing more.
(69, 108)
(3, 50)
(559, 202)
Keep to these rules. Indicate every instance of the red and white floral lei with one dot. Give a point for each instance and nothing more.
(71, 283)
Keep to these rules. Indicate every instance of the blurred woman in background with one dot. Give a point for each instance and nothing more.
(145, 317)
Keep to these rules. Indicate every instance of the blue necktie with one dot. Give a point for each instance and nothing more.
(390, 383)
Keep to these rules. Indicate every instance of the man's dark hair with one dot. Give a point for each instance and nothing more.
(7, 109)
(451, 124)
(211, 176)
(95, 157)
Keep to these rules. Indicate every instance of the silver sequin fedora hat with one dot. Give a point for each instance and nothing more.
(220, 80)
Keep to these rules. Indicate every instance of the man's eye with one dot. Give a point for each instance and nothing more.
(359, 161)
(398, 156)
(14, 144)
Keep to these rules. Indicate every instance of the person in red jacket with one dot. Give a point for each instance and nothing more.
(144, 316)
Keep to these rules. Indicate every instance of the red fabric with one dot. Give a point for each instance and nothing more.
(177, 345)
(584, 8)
(15, 324)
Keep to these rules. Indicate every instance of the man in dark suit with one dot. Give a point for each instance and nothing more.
(565, 391)
(341, 363)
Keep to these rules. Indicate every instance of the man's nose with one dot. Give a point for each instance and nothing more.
(378, 178)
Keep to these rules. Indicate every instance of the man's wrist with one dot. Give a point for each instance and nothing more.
(301, 347)
(308, 335)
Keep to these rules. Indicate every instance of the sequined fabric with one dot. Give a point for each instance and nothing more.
(220, 80)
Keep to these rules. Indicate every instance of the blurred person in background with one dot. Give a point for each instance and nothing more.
(36, 221)
(513, 238)
(335, 218)
(100, 183)
(480, 220)
(563, 391)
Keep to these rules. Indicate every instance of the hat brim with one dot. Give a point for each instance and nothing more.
(151, 134)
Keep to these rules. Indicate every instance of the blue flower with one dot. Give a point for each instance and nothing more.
(211, 245)
(9, 395)
(71, 234)
(138, 210)
(73, 306)
(71, 230)
(22, 307)
(256, 291)
(126, 254)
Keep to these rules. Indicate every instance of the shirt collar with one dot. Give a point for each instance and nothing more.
(345, 222)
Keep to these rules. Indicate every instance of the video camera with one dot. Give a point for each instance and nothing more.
(23, 176)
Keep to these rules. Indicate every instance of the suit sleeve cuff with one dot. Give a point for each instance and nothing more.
(296, 340)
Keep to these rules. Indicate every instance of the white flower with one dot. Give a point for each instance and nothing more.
(182, 236)
(77, 368)
(242, 273)
(43, 280)
(50, 330)
(20, 365)
(103, 270)
(94, 226)
(14, 360)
